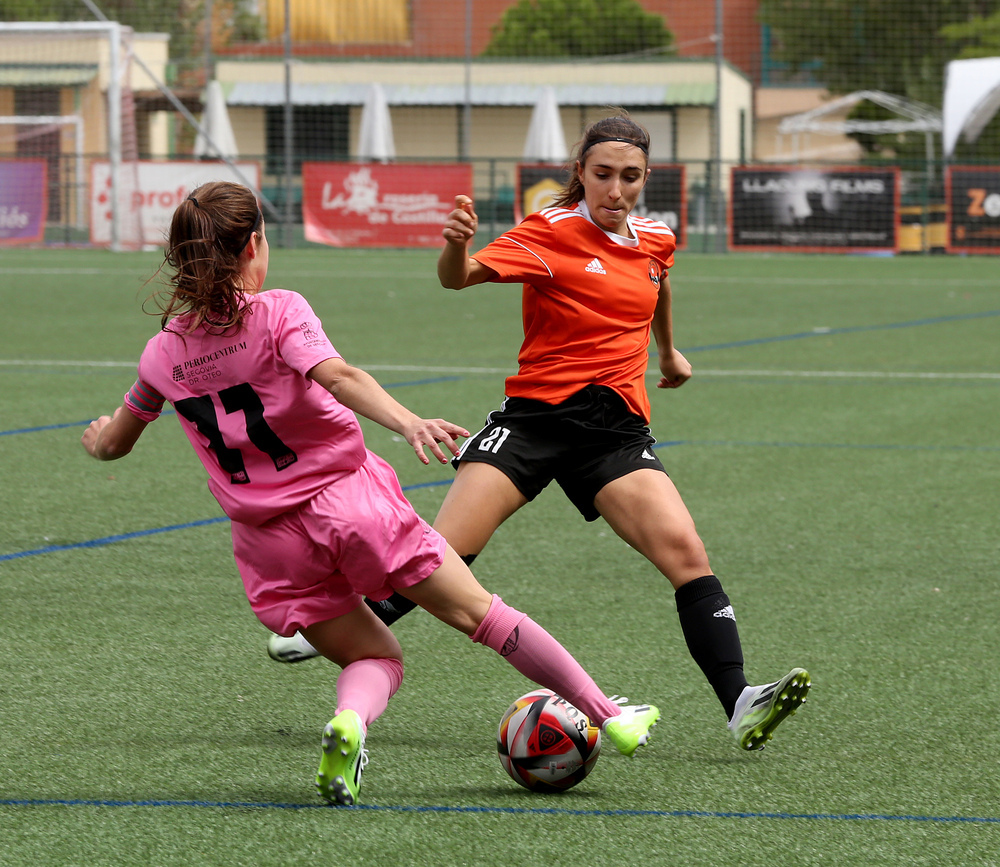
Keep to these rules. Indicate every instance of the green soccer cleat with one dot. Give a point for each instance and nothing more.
(630, 729)
(760, 709)
(344, 758)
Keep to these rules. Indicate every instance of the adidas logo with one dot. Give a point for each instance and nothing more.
(726, 612)
(647, 455)
(595, 267)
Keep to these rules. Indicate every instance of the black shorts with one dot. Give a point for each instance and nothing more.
(583, 443)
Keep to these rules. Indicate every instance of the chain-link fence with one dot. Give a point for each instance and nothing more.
(123, 107)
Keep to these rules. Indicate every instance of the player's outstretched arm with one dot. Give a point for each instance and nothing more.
(456, 269)
(111, 437)
(358, 391)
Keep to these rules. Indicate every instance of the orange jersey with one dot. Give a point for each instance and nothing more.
(587, 305)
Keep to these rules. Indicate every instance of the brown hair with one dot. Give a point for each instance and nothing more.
(208, 233)
(619, 128)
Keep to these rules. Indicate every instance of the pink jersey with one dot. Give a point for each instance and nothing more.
(270, 438)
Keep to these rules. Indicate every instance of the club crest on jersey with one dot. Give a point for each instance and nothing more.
(654, 273)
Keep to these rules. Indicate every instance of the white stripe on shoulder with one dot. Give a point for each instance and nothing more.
(555, 214)
(652, 227)
(533, 253)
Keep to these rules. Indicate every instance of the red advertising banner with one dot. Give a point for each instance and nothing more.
(374, 205)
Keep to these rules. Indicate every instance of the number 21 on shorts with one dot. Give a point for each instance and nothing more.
(494, 439)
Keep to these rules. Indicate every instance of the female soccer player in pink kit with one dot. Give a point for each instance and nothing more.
(318, 521)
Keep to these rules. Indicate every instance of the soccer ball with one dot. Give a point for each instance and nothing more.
(545, 743)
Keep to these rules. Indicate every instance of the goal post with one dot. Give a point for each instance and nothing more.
(58, 65)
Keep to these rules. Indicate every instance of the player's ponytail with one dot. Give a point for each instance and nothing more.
(208, 234)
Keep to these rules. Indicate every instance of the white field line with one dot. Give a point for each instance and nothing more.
(460, 371)
(846, 374)
(284, 274)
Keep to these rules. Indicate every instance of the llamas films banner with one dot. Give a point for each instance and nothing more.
(663, 198)
(375, 205)
(847, 210)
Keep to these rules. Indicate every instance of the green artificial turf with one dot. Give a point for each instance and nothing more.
(838, 447)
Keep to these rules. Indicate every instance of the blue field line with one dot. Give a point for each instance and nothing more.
(514, 811)
(44, 427)
(124, 537)
(24, 430)
(110, 540)
(850, 329)
(858, 446)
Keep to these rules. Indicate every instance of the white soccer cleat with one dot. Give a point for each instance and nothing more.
(294, 649)
(760, 709)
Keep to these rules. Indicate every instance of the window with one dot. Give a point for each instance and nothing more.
(319, 132)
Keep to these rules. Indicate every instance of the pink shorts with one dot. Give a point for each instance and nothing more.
(358, 537)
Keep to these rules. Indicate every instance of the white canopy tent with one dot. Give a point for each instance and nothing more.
(971, 98)
(912, 117)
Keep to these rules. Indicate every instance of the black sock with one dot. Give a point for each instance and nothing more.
(391, 609)
(709, 627)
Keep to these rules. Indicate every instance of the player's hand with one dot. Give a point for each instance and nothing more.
(675, 370)
(461, 225)
(433, 433)
(93, 431)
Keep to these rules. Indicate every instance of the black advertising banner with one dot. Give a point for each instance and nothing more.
(973, 199)
(662, 199)
(816, 210)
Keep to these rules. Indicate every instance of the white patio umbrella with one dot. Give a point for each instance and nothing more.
(545, 142)
(376, 142)
(215, 121)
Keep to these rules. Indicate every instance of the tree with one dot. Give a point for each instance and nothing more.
(182, 19)
(977, 37)
(577, 28)
(896, 46)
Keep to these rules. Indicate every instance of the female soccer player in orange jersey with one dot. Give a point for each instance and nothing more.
(595, 285)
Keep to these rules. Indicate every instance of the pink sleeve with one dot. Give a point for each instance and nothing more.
(298, 333)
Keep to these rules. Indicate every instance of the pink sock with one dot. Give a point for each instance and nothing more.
(539, 657)
(367, 685)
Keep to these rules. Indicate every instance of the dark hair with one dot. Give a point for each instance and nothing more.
(619, 128)
(208, 233)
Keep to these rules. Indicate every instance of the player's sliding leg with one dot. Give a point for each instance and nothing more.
(297, 649)
(454, 596)
(391, 609)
